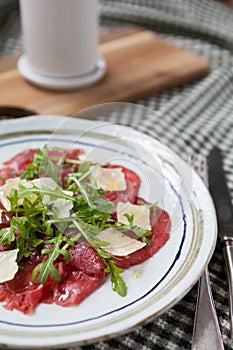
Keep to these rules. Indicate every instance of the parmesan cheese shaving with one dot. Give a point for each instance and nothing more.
(141, 215)
(45, 182)
(109, 179)
(119, 244)
(7, 187)
(8, 265)
(61, 206)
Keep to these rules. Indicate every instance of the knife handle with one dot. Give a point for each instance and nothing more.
(228, 256)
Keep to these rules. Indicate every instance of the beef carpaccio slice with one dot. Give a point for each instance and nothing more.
(84, 273)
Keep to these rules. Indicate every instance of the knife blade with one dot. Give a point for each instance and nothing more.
(224, 211)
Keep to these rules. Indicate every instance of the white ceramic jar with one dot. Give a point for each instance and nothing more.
(60, 41)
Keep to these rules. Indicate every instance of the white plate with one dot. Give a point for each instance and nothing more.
(164, 279)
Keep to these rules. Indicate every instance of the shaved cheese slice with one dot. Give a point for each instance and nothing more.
(109, 179)
(141, 215)
(45, 182)
(61, 206)
(7, 187)
(14, 184)
(8, 265)
(119, 244)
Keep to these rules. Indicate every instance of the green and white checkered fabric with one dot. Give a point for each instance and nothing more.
(202, 112)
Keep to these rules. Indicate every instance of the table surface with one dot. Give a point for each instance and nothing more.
(202, 114)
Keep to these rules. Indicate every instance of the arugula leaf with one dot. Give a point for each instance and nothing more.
(85, 170)
(14, 199)
(89, 232)
(22, 235)
(41, 164)
(131, 227)
(46, 268)
(118, 284)
(7, 234)
(58, 192)
(33, 169)
(92, 197)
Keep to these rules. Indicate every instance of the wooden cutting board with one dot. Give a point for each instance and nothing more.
(139, 64)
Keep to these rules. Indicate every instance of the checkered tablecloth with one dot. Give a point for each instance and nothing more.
(202, 112)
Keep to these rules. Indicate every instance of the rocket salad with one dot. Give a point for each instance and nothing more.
(66, 224)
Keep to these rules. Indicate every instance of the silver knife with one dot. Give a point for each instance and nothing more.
(224, 210)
